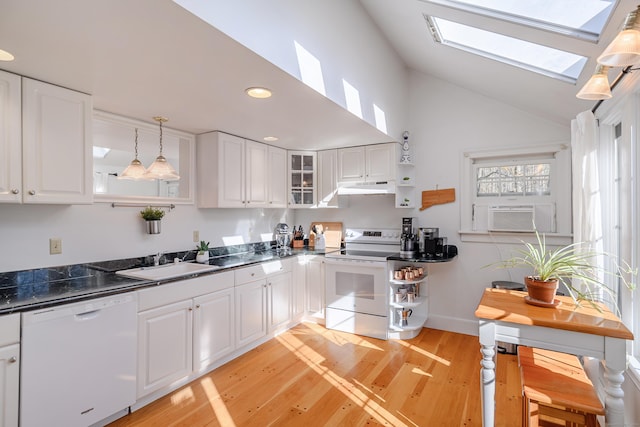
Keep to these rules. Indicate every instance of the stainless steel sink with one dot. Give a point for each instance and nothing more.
(167, 271)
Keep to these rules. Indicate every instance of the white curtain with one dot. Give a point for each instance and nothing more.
(587, 205)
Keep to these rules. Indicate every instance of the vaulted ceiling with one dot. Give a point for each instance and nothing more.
(130, 56)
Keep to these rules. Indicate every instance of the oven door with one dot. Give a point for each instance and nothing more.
(356, 285)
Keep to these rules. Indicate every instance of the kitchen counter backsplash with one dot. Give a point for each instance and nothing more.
(38, 288)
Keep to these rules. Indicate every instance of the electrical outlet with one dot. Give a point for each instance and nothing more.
(196, 236)
(55, 246)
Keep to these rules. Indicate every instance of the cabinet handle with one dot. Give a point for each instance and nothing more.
(197, 305)
(15, 191)
(13, 359)
(253, 274)
(32, 192)
(190, 308)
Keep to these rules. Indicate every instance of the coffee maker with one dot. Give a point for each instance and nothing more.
(431, 245)
(408, 237)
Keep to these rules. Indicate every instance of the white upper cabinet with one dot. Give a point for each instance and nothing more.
(302, 179)
(277, 177)
(45, 149)
(327, 178)
(10, 138)
(234, 172)
(256, 174)
(369, 163)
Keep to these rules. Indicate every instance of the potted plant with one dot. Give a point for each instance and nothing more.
(563, 265)
(152, 216)
(203, 252)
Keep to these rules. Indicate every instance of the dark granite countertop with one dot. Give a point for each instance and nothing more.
(43, 287)
(420, 258)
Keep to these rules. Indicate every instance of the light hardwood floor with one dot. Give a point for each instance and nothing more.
(311, 376)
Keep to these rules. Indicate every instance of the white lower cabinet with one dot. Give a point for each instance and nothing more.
(314, 275)
(164, 346)
(183, 327)
(263, 300)
(9, 369)
(213, 329)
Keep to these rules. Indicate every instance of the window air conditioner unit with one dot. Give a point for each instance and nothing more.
(515, 218)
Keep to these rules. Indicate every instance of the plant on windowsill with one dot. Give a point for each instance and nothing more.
(563, 265)
(203, 252)
(152, 216)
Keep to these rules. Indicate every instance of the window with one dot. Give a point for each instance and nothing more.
(511, 181)
(582, 19)
(529, 179)
(544, 60)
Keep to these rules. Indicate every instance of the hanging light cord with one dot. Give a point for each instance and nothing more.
(160, 120)
(136, 144)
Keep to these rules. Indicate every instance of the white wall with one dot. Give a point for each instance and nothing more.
(338, 33)
(445, 120)
(99, 232)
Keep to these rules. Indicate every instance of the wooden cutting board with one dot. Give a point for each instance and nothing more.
(332, 233)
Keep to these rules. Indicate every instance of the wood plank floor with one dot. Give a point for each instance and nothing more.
(311, 376)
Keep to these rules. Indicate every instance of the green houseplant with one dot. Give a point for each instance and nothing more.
(203, 252)
(152, 216)
(563, 265)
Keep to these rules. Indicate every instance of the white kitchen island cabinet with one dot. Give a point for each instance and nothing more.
(45, 146)
(9, 369)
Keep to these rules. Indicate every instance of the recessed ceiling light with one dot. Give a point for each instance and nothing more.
(270, 138)
(6, 56)
(258, 92)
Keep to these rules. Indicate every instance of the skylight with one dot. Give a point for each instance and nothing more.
(583, 19)
(544, 60)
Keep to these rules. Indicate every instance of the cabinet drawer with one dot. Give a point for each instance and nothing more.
(9, 329)
(183, 289)
(260, 271)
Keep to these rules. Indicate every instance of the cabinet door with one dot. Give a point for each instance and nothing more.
(256, 174)
(299, 283)
(351, 164)
(9, 385)
(10, 138)
(231, 171)
(327, 178)
(315, 287)
(380, 162)
(213, 328)
(251, 312)
(56, 144)
(302, 179)
(277, 177)
(164, 346)
(279, 300)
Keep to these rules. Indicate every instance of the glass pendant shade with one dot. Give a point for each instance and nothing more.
(624, 50)
(161, 168)
(135, 170)
(598, 85)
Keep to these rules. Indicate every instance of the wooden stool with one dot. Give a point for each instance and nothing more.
(556, 388)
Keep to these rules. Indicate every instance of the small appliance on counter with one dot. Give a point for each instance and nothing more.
(282, 236)
(432, 245)
(408, 237)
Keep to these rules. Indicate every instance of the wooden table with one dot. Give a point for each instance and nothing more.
(504, 316)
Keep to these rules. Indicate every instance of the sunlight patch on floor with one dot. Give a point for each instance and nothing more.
(422, 351)
(222, 413)
(421, 372)
(182, 396)
(350, 390)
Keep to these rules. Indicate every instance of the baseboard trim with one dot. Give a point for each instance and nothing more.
(452, 324)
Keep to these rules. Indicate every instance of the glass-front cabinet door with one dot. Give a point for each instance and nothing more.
(302, 179)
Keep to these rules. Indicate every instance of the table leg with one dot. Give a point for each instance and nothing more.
(488, 372)
(614, 366)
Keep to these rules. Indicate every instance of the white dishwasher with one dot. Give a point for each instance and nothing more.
(78, 362)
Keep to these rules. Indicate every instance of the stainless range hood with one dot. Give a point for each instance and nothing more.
(361, 187)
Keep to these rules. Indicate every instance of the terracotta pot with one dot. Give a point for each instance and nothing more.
(539, 290)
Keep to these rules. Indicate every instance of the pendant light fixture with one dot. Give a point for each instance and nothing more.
(136, 170)
(161, 168)
(625, 48)
(598, 85)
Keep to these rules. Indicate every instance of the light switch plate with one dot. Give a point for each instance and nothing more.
(196, 236)
(55, 246)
